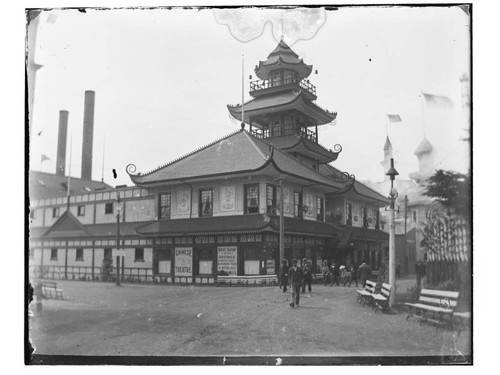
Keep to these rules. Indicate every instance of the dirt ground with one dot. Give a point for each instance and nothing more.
(157, 320)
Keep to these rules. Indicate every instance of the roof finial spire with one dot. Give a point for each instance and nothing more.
(282, 38)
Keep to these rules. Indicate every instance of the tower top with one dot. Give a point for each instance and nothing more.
(387, 145)
(282, 57)
(424, 147)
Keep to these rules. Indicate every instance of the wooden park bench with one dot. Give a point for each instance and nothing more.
(51, 290)
(435, 306)
(365, 295)
(381, 300)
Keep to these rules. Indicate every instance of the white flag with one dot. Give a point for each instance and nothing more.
(437, 101)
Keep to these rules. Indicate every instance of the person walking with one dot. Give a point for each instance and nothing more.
(283, 275)
(364, 272)
(295, 279)
(325, 271)
(307, 276)
(354, 274)
(335, 274)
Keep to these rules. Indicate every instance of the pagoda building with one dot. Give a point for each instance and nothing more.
(217, 211)
(283, 111)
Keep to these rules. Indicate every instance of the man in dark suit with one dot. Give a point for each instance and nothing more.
(364, 273)
(295, 279)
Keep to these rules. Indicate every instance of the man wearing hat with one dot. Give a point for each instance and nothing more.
(307, 276)
(295, 279)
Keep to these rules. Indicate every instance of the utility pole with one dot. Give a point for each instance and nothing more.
(282, 224)
(118, 209)
(406, 243)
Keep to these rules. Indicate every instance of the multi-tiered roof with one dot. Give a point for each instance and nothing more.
(283, 108)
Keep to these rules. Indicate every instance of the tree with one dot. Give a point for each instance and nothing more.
(452, 190)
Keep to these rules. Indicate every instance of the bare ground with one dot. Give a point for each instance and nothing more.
(157, 320)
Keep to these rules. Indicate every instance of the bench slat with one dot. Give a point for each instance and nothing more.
(440, 293)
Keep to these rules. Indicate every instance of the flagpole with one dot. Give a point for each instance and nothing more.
(103, 151)
(423, 113)
(69, 170)
(242, 91)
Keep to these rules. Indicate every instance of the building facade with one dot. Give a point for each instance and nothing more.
(217, 210)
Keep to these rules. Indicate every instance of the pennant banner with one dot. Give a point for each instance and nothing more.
(394, 118)
(437, 101)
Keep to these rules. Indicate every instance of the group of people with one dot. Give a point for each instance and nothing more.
(299, 278)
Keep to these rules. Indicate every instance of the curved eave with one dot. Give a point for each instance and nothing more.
(265, 67)
(379, 198)
(322, 117)
(304, 147)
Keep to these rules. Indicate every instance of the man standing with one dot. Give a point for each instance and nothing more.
(295, 278)
(307, 276)
(354, 274)
(283, 275)
(364, 273)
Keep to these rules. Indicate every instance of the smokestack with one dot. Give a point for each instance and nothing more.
(88, 135)
(61, 143)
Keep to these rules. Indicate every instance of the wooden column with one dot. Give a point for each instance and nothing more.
(66, 263)
(93, 259)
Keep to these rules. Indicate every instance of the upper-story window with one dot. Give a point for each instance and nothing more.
(319, 209)
(271, 199)
(53, 254)
(251, 199)
(33, 214)
(288, 125)
(364, 219)
(108, 209)
(414, 216)
(81, 211)
(206, 202)
(55, 212)
(349, 214)
(79, 254)
(164, 209)
(139, 254)
(276, 78)
(297, 204)
(276, 129)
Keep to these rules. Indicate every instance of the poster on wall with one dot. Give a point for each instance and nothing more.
(183, 261)
(227, 198)
(310, 205)
(270, 267)
(227, 260)
(183, 202)
(286, 201)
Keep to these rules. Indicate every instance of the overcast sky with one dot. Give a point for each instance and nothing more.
(163, 79)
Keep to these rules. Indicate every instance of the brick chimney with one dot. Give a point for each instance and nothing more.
(88, 135)
(61, 143)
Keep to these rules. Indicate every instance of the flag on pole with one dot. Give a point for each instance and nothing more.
(45, 157)
(437, 101)
(394, 118)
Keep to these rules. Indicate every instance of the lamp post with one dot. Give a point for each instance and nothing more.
(393, 194)
(118, 211)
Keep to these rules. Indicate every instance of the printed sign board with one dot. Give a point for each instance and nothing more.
(183, 261)
(227, 259)
(270, 267)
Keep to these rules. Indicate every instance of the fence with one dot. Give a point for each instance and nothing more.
(84, 273)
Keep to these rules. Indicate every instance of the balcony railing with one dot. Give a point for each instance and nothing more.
(308, 134)
(265, 84)
(304, 133)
